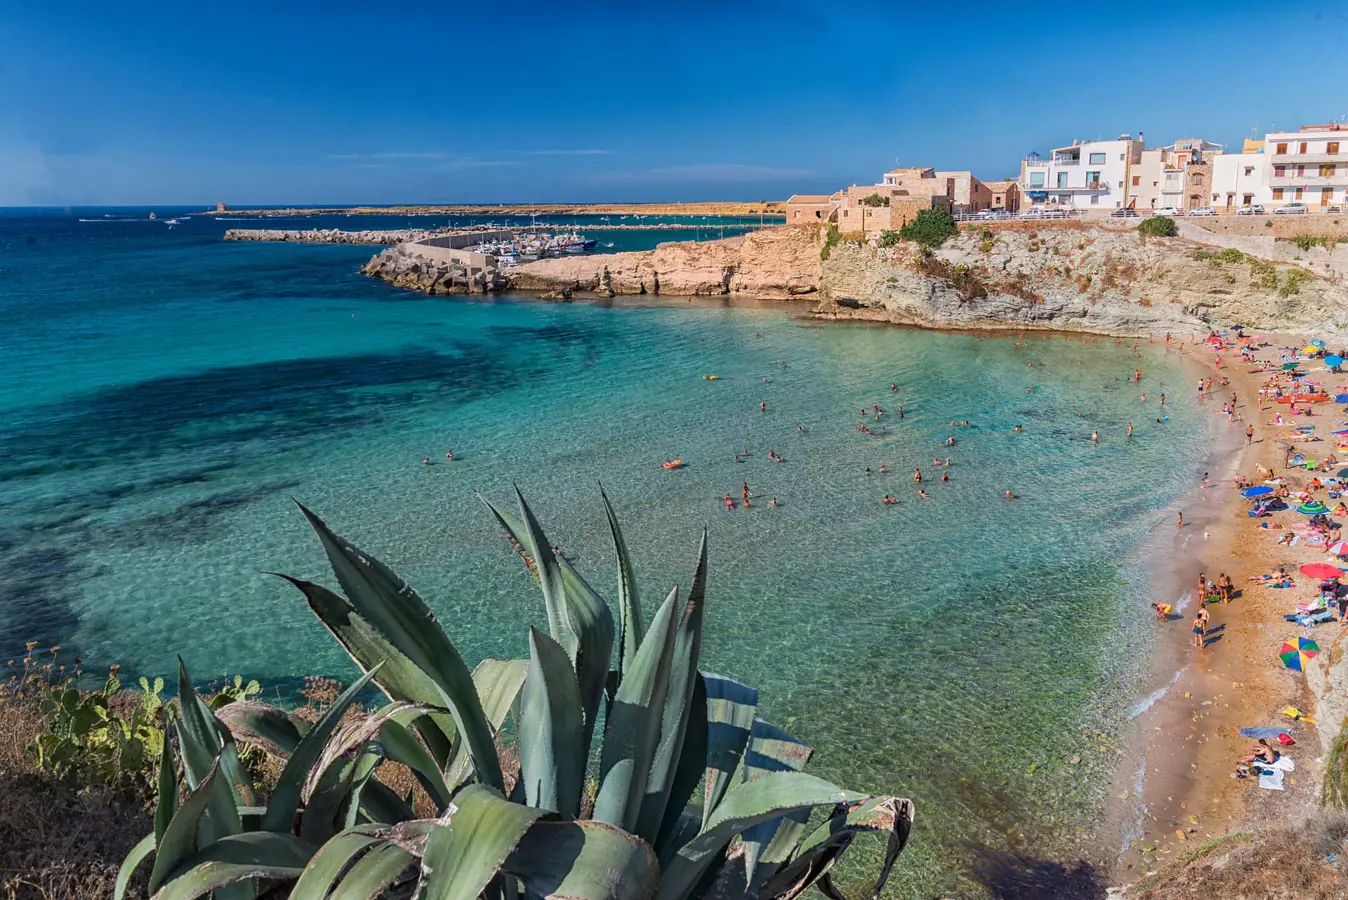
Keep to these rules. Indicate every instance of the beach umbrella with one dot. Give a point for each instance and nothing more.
(1340, 398)
(1259, 490)
(1314, 508)
(1321, 570)
(1287, 367)
(1318, 344)
(1338, 548)
(1295, 654)
(1334, 360)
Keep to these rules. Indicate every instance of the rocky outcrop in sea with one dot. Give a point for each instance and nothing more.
(431, 271)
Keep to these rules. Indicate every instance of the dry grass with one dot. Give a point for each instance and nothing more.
(1308, 861)
(57, 840)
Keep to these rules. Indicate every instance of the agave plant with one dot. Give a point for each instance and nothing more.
(688, 776)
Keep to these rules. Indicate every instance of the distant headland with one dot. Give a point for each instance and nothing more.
(701, 208)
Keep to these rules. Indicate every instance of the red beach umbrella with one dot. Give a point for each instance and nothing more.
(1321, 570)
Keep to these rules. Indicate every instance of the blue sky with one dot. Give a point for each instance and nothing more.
(292, 101)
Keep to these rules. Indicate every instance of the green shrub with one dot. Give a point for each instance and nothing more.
(830, 241)
(1157, 226)
(1291, 282)
(1265, 275)
(889, 238)
(683, 765)
(930, 228)
(874, 201)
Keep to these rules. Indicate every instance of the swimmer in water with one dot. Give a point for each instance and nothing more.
(1008, 496)
(945, 476)
(425, 460)
(917, 476)
(1095, 437)
(1019, 429)
(883, 470)
(773, 503)
(762, 406)
(449, 454)
(923, 494)
(800, 429)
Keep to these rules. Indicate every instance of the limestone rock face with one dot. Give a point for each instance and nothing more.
(773, 263)
(1077, 279)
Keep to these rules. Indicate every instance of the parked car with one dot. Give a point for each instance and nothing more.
(1254, 209)
(1291, 209)
(1034, 212)
(1126, 212)
(1167, 211)
(991, 214)
(1202, 211)
(1336, 208)
(1057, 213)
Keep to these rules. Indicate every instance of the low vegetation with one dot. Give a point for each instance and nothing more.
(831, 238)
(874, 201)
(1291, 283)
(1218, 258)
(1265, 275)
(930, 228)
(562, 773)
(1157, 226)
(1305, 242)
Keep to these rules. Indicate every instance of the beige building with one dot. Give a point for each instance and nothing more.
(1178, 176)
(1003, 195)
(872, 208)
(968, 194)
(803, 209)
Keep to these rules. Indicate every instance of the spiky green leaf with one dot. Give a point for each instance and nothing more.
(630, 627)
(203, 739)
(498, 683)
(551, 741)
(744, 806)
(730, 718)
(166, 790)
(472, 841)
(131, 863)
(689, 774)
(190, 829)
(285, 798)
(394, 609)
(257, 856)
(583, 861)
(771, 749)
(816, 854)
(272, 728)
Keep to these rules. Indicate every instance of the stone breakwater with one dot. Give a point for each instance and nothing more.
(432, 270)
(328, 235)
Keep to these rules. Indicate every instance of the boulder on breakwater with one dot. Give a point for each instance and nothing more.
(328, 235)
(431, 270)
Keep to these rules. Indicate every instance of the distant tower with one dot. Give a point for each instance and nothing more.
(220, 207)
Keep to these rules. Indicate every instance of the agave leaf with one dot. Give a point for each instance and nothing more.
(344, 788)
(632, 731)
(131, 863)
(350, 737)
(584, 860)
(373, 872)
(166, 800)
(744, 806)
(675, 709)
(400, 745)
(472, 840)
(285, 798)
(253, 856)
(689, 774)
(202, 739)
(400, 678)
(394, 609)
(270, 727)
(552, 752)
(362, 768)
(630, 627)
(544, 569)
(730, 718)
(331, 860)
(592, 622)
(380, 803)
(498, 683)
(773, 750)
(816, 855)
(180, 838)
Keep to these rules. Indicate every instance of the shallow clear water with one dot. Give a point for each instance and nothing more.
(166, 394)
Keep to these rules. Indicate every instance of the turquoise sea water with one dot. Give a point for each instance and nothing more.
(166, 394)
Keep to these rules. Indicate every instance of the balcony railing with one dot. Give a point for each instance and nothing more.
(1316, 157)
(1067, 160)
(1339, 177)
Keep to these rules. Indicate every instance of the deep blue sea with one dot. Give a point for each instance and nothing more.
(166, 394)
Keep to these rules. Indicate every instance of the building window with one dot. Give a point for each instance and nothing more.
(1277, 193)
(1298, 194)
(1137, 180)
(1303, 147)
(1249, 170)
(1279, 171)
(1092, 179)
(1332, 147)
(1327, 171)
(1280, 149)
(1198, 179)
(1036, 179)
(1062, 179)
(1097, 159)
(1095, 199)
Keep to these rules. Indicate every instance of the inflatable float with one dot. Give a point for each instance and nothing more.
(672, 464)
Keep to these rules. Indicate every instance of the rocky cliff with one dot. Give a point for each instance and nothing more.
(1076, 278)
(774, 263)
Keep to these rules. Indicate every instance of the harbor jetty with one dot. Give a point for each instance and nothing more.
(329, 235)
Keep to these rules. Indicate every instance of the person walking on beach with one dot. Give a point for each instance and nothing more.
(1200, 633)
(1179, 523)
(1249, 435)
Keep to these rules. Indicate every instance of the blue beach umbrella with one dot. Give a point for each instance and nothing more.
(1341, 398)
(1259, 490)
(1318, 343)
(1333, 360)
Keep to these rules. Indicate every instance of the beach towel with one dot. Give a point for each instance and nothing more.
(1270, 775)
(1267, 732)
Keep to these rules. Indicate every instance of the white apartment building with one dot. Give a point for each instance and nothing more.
(1178, 176)
(1309, 165)
(1087, 175)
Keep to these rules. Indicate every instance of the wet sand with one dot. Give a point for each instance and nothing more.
(1175, 789)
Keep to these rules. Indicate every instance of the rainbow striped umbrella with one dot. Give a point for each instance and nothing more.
(1314, 508)
(1295, 655)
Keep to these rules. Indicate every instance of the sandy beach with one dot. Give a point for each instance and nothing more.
(1176, 788)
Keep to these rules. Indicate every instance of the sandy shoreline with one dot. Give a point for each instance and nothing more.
(1174, 790)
